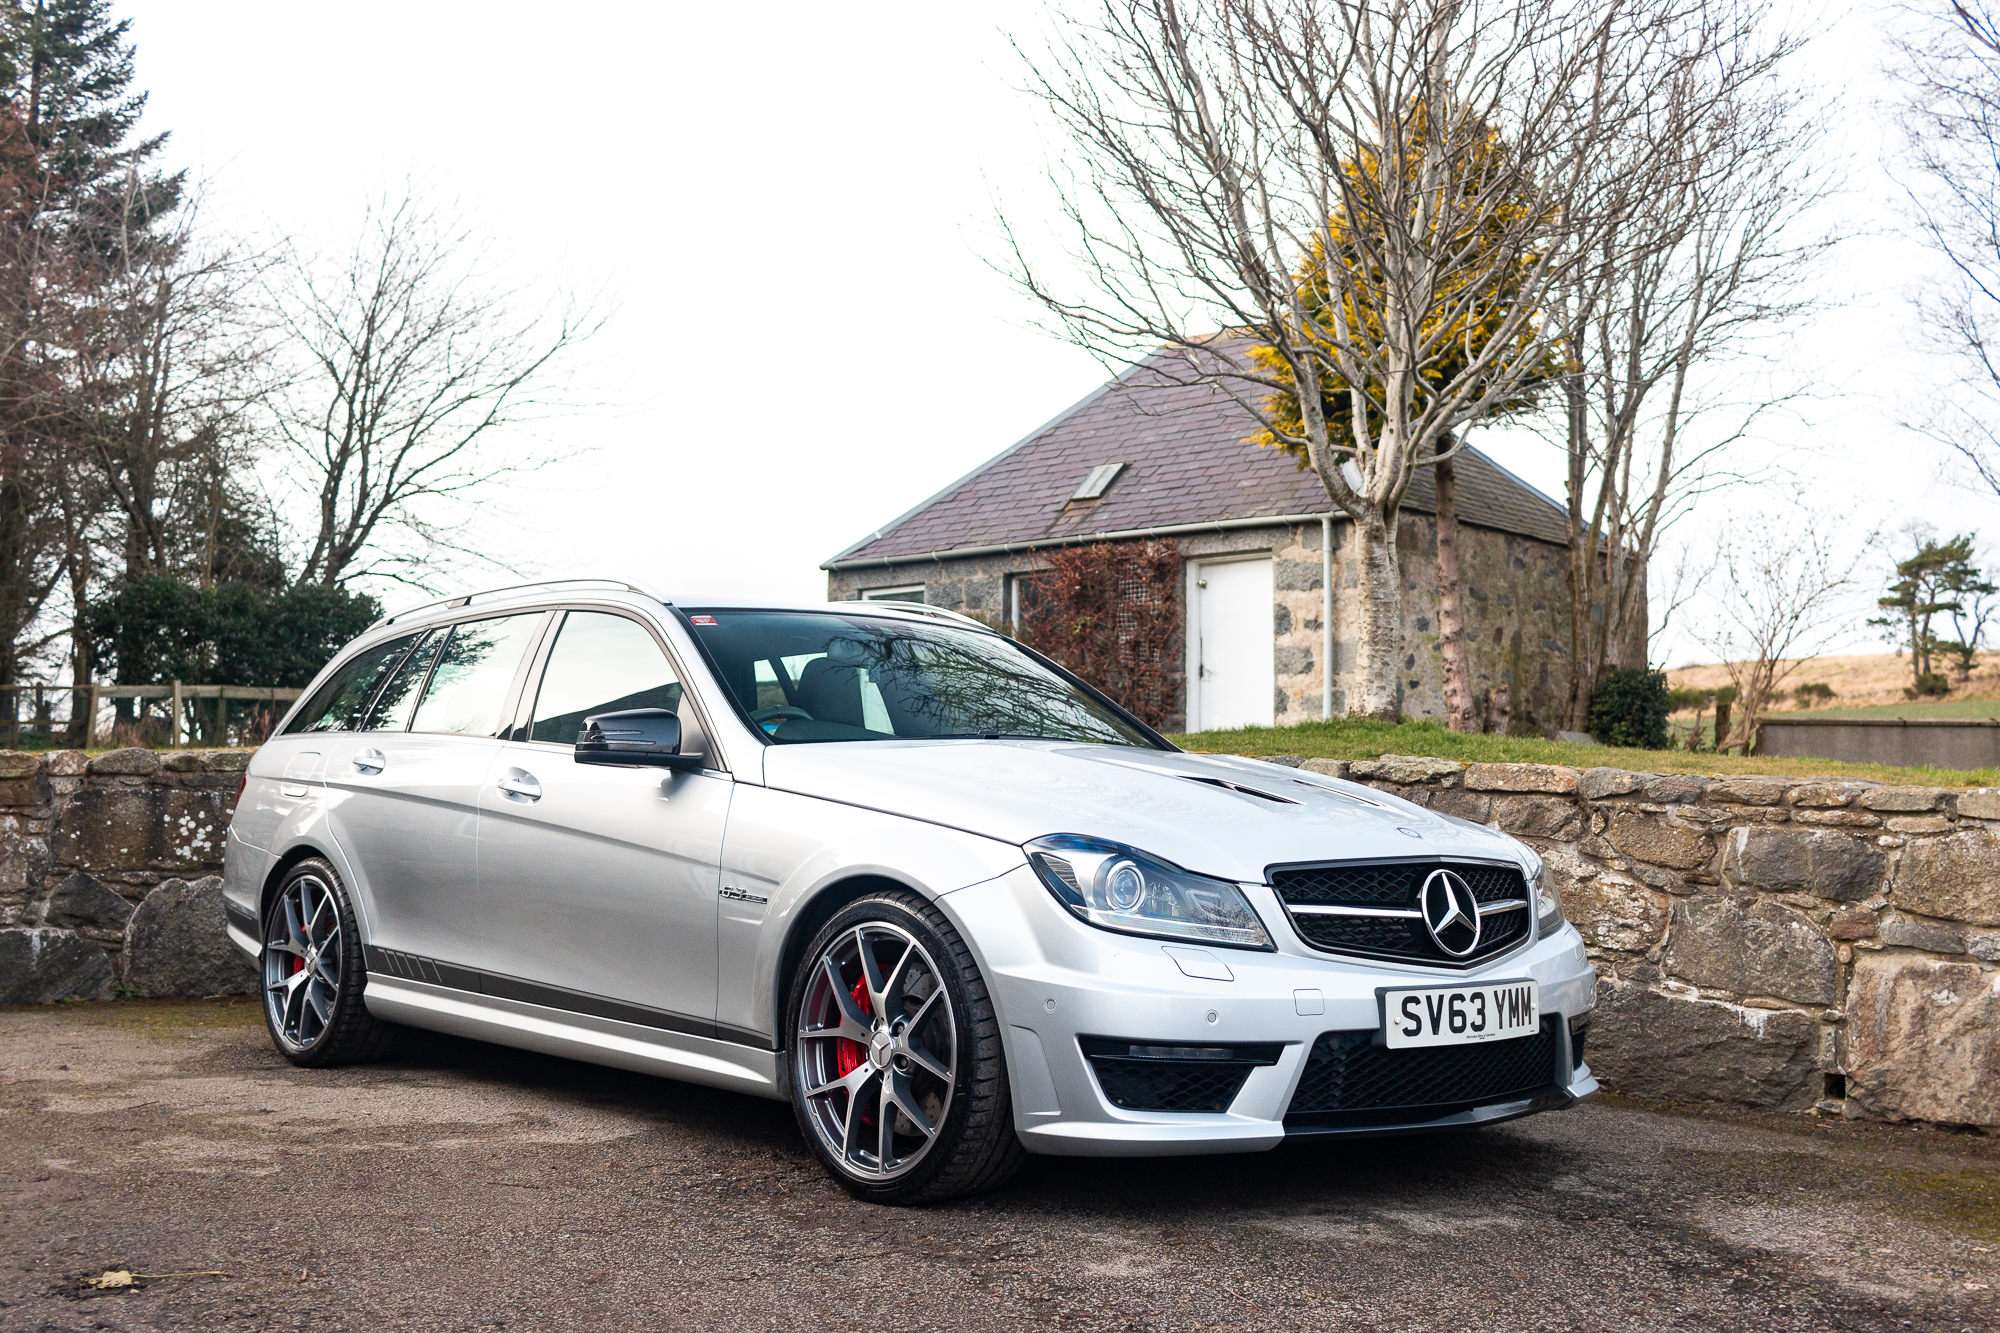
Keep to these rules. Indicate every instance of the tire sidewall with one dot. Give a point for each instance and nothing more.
(353, 975)
(892, 909)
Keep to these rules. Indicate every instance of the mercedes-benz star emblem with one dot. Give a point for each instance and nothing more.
(1451, 912)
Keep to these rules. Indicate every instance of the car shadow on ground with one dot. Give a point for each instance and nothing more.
(1483, 1162)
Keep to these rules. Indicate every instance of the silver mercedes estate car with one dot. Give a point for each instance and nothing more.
(879, 861)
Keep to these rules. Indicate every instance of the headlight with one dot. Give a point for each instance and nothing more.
(1121, 889)
(1548, 906)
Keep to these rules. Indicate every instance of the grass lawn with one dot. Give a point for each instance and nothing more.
(1352, 739)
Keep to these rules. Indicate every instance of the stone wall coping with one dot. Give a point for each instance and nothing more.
(1947, 722)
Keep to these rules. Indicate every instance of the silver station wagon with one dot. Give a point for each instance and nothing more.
(952, 903)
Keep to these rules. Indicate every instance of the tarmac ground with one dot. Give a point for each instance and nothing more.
(464, 1186)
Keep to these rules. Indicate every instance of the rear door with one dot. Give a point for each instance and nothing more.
(598, 884)
(403, 792)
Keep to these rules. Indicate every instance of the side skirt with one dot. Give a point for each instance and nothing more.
(575, 1036)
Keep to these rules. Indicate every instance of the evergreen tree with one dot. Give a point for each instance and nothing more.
(1941, 579)
(80, 198)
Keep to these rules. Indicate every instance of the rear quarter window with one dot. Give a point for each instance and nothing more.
(342, 703)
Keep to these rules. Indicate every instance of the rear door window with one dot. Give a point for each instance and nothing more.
(475, 670)
(341, 703)
(600, 664)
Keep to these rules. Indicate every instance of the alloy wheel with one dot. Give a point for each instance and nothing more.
(876, 1057)
(302, 952)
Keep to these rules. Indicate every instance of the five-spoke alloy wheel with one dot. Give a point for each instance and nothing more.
(895, 1056)
(313, 974)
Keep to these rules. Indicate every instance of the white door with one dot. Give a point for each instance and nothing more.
(1234, 674)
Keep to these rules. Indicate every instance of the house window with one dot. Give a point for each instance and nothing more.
(913, 592)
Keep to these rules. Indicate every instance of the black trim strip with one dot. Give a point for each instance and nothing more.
(411, 967)
(241, 917)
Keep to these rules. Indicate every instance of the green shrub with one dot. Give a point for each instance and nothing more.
(1630, 708)
(1813, 694)
(1691, 697)
(1930, 685)
(153, 630)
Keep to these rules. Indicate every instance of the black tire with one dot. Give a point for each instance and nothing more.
(974, 1146)
(313, 974)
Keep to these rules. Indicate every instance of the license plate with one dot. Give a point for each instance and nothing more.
(1459, 1015)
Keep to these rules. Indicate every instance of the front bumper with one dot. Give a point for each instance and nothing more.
(1055, 981)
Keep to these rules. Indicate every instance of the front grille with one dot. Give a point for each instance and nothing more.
(1350, 1080)
(1394, 886)
(1152, 1083)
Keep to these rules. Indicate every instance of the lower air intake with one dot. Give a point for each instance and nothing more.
(1348, 1080)
(1137, 1076)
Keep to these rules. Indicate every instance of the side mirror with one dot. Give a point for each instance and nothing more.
(650, 736)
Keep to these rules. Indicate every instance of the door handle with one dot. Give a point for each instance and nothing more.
(370, 761)
(521, 784)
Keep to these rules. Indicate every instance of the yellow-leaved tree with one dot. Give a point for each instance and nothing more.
(1350, 303)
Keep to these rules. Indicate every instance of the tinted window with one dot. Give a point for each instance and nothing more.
(601, 664)
(468, 689)
(399, 696)
(338, 704)
(811, 676)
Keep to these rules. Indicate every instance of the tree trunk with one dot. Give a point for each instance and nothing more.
(1379, 622)
(1451, 614)
(1500, 711)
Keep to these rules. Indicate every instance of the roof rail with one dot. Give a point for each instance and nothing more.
(463, 598)
(917, 609)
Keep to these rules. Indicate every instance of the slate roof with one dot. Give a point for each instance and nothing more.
(1187, 462)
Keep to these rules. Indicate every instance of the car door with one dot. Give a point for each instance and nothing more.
(598, 884)
(403, 792)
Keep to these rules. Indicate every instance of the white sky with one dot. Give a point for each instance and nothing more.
(789, 205)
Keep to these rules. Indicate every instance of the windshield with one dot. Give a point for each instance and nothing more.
(811, 676)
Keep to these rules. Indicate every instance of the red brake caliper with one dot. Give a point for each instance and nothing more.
(848, 1055)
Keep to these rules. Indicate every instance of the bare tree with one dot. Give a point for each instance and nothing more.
(1949, 67)
(1715, 260)
(1354, 185)
(408, 369)
(1784, 582)
(168, 368)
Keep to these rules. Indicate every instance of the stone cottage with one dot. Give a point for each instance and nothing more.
(1266, 602)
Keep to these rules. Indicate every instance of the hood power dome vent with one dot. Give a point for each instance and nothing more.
(1227, 785)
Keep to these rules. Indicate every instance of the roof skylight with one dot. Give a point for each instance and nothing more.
(1098, 481)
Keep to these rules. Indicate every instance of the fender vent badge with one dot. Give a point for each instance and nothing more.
(741, 896)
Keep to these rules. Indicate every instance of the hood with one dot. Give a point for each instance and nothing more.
(1210, 814)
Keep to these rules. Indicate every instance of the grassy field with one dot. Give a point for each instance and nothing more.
(1860, 681)
(1350, 739)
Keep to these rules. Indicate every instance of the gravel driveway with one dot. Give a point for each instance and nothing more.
(465, 1186)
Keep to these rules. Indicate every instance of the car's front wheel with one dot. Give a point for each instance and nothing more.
(896, 1068)
(313, 972)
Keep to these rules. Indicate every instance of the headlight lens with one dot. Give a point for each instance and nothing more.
(1121, 889)
(1548, 906)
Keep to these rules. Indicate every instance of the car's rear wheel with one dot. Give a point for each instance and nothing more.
(314, 974)
(896, 1069)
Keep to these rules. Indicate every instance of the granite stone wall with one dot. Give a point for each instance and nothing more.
(109, 874)
(1791, 943)
(1781, 942)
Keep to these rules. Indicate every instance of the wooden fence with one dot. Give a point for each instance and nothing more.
(45, 715)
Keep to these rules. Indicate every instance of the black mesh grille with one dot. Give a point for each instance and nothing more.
(1349, 1079)
(1396, 884)
(1169, 1085)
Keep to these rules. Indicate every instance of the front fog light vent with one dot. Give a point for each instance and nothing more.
(1150, 1076)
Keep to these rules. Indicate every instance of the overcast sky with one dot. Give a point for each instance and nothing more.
(791, 209)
